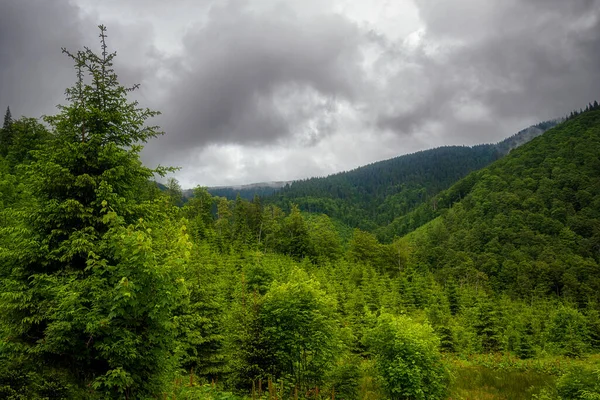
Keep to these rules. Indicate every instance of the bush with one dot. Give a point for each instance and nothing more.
(580, 383)
(408, 358)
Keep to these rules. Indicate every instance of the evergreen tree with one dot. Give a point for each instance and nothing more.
(89, 279)
(487, 325)
(198, 210)
(453, 296)
(295, 239)
(27, 134)
(525, 349)
(174, 192)
(7, 119)
(6, 133)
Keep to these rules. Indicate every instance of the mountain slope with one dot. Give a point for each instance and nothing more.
(373, 196)
(529, 224)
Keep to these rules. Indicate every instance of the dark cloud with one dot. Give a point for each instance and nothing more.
(33, 72)
(285, 89)
(257, 78)
(521, 61)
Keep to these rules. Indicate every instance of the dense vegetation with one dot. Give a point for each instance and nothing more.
(375, 195)
(112, 288)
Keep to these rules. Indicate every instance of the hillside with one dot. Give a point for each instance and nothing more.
(375, 195)
(528, 224)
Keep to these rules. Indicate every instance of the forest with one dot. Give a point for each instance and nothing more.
(475, 275)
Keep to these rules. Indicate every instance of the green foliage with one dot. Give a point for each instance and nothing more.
(324, 240)
(568, 332)
(293, 236)
(6, 135)
(526, 225)
(298, 327)
(408, 358)
(374, 195)
(89, 271)
(580, 383)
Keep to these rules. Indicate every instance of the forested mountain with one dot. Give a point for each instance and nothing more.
(529, 223)
(247, 192)
(111, 288)
(373, 196)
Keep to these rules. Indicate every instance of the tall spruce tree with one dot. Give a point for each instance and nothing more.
(90, 278)
(7, 119)
(6, 133)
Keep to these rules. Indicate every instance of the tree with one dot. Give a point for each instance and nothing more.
(525, 349)
(199, 211)
(568, 332)
(7, 119)
(27, 134)
(89, 280)
(364, 248)
(174, 192)
(294, 238)
(223, 224)
(488, 325)
(408, 358)
(298, 325)
(324, 239)
(6, 133)
(453, 296)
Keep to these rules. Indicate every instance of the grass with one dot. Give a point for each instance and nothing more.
(484, 383)
(476, 377)
(501, 376)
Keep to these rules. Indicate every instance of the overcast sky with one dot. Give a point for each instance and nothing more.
(266, 90)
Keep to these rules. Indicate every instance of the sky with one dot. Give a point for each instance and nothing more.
(269, 90)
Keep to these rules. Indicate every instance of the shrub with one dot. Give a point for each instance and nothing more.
(408, 358)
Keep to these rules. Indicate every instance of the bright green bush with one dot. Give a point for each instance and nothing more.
(408, 358)
(298, 325)
(580, 383)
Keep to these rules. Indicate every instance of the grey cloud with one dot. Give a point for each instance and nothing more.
(257, 78)
(33, 72)
(522, 61)
(293, 80)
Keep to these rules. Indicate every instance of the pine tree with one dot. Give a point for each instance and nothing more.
(89, 282)
(525, 349)
(7, 119)
(488, 326)
(453, 297)
(6, 133)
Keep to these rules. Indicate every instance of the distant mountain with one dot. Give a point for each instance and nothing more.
(375, 195)
(251, 186)
(428, 210)
(247, 192)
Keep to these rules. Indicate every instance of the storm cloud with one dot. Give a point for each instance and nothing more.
(33, 72)
(277, 90)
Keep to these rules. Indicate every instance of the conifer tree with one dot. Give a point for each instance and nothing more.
(6, 133)
(487, 325)
(89, 280)
(7, 119)
(453, 297)
(525, 349)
